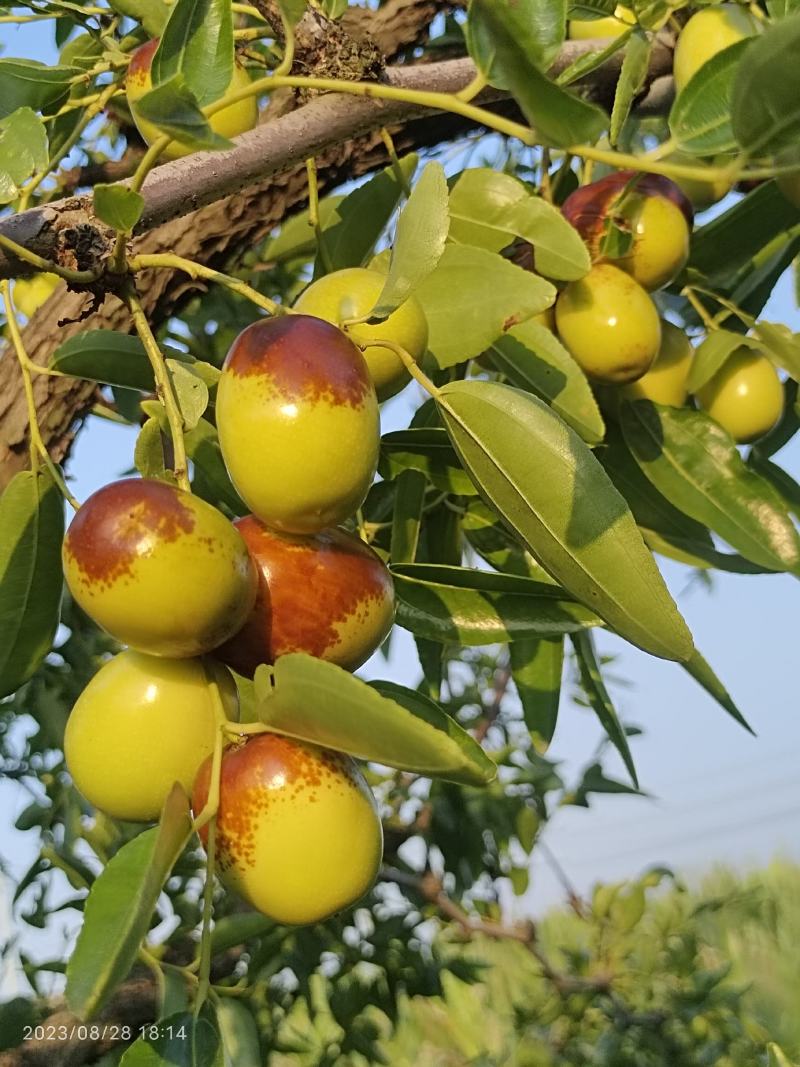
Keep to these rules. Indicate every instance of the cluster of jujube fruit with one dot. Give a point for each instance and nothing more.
(188, 591)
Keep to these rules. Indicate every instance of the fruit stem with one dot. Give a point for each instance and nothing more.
(37, 446)
(211, 805)
(394, 159)
(77, 277)
(313, 215)
(197, 270)
(409, 363)
(164, 389)
(699, 307)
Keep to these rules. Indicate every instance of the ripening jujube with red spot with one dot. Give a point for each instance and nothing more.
(652, 209)
(158, 568)
(297, 830)
(329, 595)
(298, 423)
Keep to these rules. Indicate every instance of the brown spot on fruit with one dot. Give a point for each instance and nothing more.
(142, 60)
(329, 595)
(120, 522)
(303, 358)
(596, 200)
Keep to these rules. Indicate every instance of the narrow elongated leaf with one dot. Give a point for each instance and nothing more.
(115, 358)
(702, 673)
(318, 702)
(712, 353)
(179, 1041)
(408, 500)
(120, 906)
(494, 542)
(240, 1037)
(597, 694)
(766, 92)
(783, 482)
(694, 462)
(31, 532)
(700, 119)
(429, 451)
(536, 668)
(559, 117)
(532, 358)
(631, 79)
(29, 83)
(546, 484)
(197, 42)
(462, 323)
(456, 605)
(419, 241)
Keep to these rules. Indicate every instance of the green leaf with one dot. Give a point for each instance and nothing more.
(462, 322)
(702, 673)
(497, 544)
(766, 92)
(409, 498)
(784, 483)
(589, 61)
(695, 463)
(293, 10)
(536, 668)
(548, 487)
(557, 116)
(631, 79)
(191, 392)
(28, 83)
(182, 1041)
(119, 207)
(197, 42)
(211, 480)
(23, 151)
(152, 14)
(361, 217)
(597, 694)
(489, 208)
(148, 454)
(172, 107)
(31, 532)
(532, 358)
(382, 722)
(419, 241)
(777, 1057)
(700, 119)
(117, 359)
(120, 906)
(240, 1038)
(780, 345)
(537, 25)
(711, 355)
(429, 451)
(456, 605)
(296, 239)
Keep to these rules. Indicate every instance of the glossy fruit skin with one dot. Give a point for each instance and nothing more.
(655, 211)
(159, 569)
(609, 324)
(351, 293)
(596, 29)
(665, 382)
(328, 595)
(298, 834)
(30, 293)
(298, 423)
(142, 724)
(745, 396)
(705, 34)
(230, 122)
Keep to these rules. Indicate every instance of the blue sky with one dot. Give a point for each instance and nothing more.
(717, 794)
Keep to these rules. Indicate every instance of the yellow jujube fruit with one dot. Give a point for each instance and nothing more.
(596, 29)
(665, 382)
(142, 724)
(30, 293)
(708, 32)
(745, 396)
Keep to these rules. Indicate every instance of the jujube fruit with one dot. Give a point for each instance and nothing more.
(595, 29)
(654, 211)
(665, 382)
(705, 34)
(228, 122)
(142, 724)
(745, 396)
(158, 568)
(352, 293)
(30, 293)
(702, 192)
(297, 830)
(609, 324)
(298, 423)
(328, 595)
